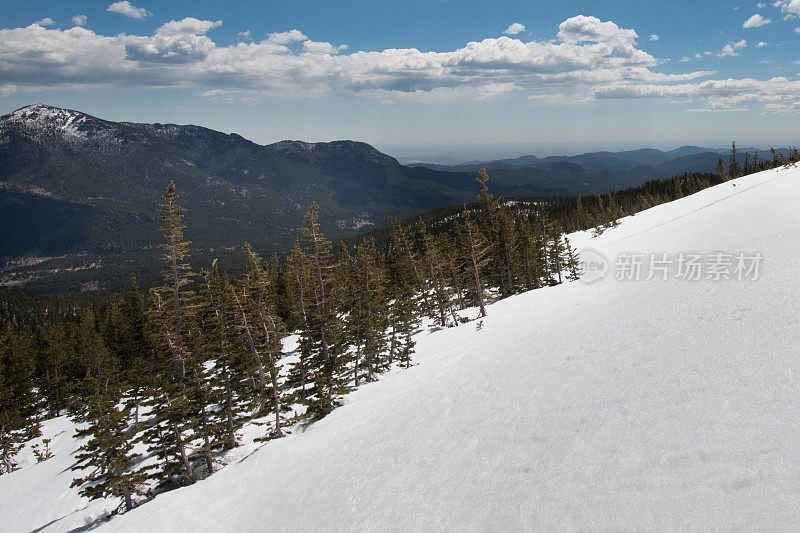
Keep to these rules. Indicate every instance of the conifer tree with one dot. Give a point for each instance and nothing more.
(109, 450)
(324, 326)
(721, 170)
(474, 250)
(438, 289)
(733, 167)
(230, 376)
(298, 273)
(498, 221)
(264, 341)
(19, 400)
(404, 288)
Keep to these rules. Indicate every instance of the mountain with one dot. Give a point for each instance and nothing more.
(229, 186)
(80, 190)
(600, 172)
(611, 405)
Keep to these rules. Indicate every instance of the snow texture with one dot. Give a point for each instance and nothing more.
(646, 405)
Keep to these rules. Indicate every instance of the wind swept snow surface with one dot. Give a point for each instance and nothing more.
(616, 405)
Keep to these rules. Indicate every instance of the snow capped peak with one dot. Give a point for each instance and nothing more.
(45, 118)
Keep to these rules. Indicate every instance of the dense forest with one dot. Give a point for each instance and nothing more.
(175, 371)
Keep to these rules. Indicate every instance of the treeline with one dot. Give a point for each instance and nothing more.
(173, 373)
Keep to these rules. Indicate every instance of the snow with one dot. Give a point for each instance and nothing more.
(37, 497)
(636, 405)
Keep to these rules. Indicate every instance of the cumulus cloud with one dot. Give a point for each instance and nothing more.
(244, 34)
(684, 59)
(79, 20)
(176, 41)
(756, 21)
(514, 29)
(655, 37)
(187, 26)
(731, 48)
(287, 37)
(790, 7)
(589, 59)
(761, 44)
(47, 21)
(126, 8)
(314, 47)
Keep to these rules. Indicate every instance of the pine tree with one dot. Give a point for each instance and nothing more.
(264, 341)
(721, 170)
(498, 221)
(231, 375)
(404, 308)
(109, 450)
(324, 326)
(474, 250)
(733, 168)
(571, 261)
(678, 192)
(440, 293)
(19, 400)
(56, 357)
(178, 388)
(298, 273)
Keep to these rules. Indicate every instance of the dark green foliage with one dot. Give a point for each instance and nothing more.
(108, 453)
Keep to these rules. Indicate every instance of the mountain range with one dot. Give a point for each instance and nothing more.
(80, 194)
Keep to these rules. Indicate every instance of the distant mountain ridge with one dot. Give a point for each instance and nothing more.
(72, 184)
(597, 172)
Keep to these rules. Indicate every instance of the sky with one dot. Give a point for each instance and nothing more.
(419, 74)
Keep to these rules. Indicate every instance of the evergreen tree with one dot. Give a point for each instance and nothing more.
(440, 294)
(733, 167)
(19, 400)
(298, 274)
(721, 170)
(263, 331)
(324, 327)
(474, 250)
(109, 450)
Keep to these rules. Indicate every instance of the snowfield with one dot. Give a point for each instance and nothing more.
(614, 405)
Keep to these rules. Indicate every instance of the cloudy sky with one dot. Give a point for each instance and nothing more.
(417, 71)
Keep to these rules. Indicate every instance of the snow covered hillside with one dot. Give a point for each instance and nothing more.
(622, 404)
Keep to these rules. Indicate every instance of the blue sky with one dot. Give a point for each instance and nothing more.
(463, 73)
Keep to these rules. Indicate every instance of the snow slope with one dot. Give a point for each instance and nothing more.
(636, 405)
(615, 405)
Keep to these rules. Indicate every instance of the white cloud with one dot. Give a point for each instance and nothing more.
(655, 37)
(731, 48)
(514, 29)
(791, 7)
(79, 20)
(582, 29)
(314, 47)
(126, 8)
(287, 37)
(176, 41)
(761, 44)
(756, 21)
(244, 34)
(187, 26)
(47, 21)
(590, 59)
(797, 30)
(761, 5)
(684, 59)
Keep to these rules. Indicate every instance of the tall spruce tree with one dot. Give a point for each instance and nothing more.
(324, 326)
